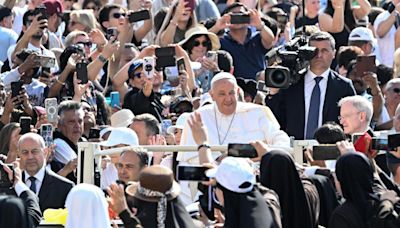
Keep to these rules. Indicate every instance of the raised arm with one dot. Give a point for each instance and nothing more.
(333, 24)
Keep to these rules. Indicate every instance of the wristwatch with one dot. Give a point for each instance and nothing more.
(102, 58)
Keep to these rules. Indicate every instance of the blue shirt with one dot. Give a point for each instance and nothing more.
(7, 38)
(248, 58)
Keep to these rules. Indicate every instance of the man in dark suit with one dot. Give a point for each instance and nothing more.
(51, 188)
(312, 101)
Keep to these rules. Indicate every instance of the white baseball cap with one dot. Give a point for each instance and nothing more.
(361, 34)
(122, 118)
(121, 135)
(180, 123)
(232, 173)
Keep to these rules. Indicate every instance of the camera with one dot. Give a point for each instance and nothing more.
(50, 105)
(5, 182)
(148, 67)
(293, 59)
(111, 32)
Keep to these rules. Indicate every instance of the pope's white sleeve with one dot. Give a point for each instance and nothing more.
(271, 129)
(63, 152)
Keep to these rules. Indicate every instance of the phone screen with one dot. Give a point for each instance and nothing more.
(94, 133)
(242, 150)
(5, 181)
(115, 99)
(25, 124)
(139, 16)
(394, 141)
(326, 152)
(240, 18)
(365, 64)
(192, 173)
(379, 144)
(16, 87)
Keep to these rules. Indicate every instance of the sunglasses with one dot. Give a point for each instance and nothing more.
(396, 90)
(136, 75)
(206, 43)
(118, 15)
(87, 43)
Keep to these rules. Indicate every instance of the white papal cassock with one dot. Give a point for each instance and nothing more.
(250, 122)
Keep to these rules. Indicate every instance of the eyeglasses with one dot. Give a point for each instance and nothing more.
(87, 43)
(396, 90)
(206, 43)
(118, 15)
(346, 116)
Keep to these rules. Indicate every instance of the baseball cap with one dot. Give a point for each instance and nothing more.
(53, 7)
(234, 174)
(121, 135)
(361, 34)
(180, 123)
(134, 65)
(122, 118)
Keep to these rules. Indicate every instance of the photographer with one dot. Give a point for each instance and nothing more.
(312, 101)
(21, 212)
(247, 48)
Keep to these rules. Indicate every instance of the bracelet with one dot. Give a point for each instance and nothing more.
(60, 82)
(102, 58)
(203, 145)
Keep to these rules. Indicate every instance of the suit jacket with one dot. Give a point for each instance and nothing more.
(289, 106)
(53, 191)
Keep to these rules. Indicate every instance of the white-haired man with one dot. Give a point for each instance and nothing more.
(230, 121)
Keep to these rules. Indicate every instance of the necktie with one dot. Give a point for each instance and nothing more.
(313, 111)
(33, 184)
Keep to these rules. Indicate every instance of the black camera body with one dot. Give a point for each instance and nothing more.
(293, 59)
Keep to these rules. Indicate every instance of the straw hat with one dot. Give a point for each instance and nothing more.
(122, 118)
(201, 30)
(154, 181)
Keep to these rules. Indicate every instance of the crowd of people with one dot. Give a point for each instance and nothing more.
(260, 74)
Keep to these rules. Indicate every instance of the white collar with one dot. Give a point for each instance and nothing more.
(39, 175)
(310, 75)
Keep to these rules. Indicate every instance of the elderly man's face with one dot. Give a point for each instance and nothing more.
(32, 155)
(71, 125)
(129, 167)
(393, 95)
(224, 93)
(351, 119)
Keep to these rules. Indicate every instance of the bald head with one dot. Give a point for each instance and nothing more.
(32, 136)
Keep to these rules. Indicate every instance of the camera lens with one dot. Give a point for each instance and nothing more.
(278, 77)
(148, 67)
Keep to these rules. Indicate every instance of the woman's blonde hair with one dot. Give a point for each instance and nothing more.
(86, 18)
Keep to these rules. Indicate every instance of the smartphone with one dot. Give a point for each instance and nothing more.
(240, 18)
(165, 51)
(148, 67)
(191, 173)
(212, 56)
(115, 99)
(326, 152)
(242, 150)
(46, 131)
(41, 10)
(262, 87)
(111, 32)
(45, 61)
(16, 88)
(139, 16)
(379, 144)
(394, 141)
(51, 107)
(25, 124)
(81, 72)
(191, 4)
(365, 63)
(180, 63)
(94, 133)
(172, 75)
(5, 182)
(165, 124)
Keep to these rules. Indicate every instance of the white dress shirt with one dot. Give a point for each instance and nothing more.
(309, 84)
(39, 179)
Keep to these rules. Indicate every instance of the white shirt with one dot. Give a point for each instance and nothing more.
(251, 122)
(386, 44)
(309, 84)
(19, 12)
(7, 38)
(39, 179)
(63, 152)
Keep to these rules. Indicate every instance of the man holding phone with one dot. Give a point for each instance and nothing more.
(246, 46)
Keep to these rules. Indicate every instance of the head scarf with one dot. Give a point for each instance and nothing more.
(246, 210)
(175, 216)
(87, 207)
(355, 174)
(278, 172)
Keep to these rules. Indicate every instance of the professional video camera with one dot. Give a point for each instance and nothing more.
(293, 61)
